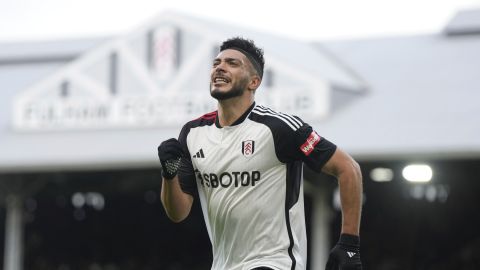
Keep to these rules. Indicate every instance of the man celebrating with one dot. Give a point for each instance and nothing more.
(245, 161)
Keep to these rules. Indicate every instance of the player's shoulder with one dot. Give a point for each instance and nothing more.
(207, 119)
(277, 121)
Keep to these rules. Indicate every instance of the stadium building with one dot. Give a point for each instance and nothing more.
(81, 120)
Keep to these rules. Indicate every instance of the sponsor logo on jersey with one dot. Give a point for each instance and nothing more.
(248, 147)
(228, 179)
(308, 146)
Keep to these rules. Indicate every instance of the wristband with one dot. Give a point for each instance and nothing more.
(349, 239)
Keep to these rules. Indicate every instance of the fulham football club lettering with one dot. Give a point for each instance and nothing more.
(248, 148)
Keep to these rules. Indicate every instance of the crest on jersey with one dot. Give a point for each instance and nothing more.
(248, 147)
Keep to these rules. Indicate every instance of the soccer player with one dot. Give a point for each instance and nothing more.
(245, 161)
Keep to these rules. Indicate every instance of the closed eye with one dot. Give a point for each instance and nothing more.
(229, 61)
(232, 61)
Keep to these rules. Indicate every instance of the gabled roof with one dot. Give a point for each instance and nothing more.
(81, 71)
(422, 99)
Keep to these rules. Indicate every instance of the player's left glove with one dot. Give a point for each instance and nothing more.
(346, 254)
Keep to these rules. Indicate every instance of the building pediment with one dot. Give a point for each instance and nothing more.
(158, 75)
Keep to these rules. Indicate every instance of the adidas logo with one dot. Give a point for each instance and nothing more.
(350, 254)
(199, 154)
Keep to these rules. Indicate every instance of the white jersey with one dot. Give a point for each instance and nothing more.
(249, 182)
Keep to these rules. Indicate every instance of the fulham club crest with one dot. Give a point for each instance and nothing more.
(248, 147)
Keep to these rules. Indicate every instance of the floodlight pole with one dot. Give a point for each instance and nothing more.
(321, 216)
(13, 254)
(320, 219)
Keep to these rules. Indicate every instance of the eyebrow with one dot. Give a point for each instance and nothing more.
(228, 59)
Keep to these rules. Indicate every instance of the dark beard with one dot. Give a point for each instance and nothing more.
(236, 91)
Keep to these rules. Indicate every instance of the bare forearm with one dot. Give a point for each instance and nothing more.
(350, 184)
(176, 203)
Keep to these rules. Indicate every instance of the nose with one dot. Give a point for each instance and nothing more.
(218, 70)
(220, 66)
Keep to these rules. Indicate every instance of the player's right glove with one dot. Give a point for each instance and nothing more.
(170, 153)
(346, 254)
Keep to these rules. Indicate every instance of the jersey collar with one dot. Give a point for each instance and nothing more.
(239, 120)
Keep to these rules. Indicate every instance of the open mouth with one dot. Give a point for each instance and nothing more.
(220, 79)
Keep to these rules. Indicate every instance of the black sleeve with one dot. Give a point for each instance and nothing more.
(186, 173)
(303, 144)
(313, 149)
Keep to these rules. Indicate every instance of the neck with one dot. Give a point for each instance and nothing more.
(231, 109)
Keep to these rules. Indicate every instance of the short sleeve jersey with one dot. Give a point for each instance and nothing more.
(249, 181)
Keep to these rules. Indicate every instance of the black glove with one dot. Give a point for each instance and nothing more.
(170, 153)
(345, 255)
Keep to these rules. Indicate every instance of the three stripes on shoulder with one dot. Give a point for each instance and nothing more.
(291, 121)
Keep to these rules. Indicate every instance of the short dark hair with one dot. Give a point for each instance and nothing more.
(249, 49)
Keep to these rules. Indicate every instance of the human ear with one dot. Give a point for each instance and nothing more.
(254, 82)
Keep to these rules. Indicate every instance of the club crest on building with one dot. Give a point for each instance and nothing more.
(248, 148)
